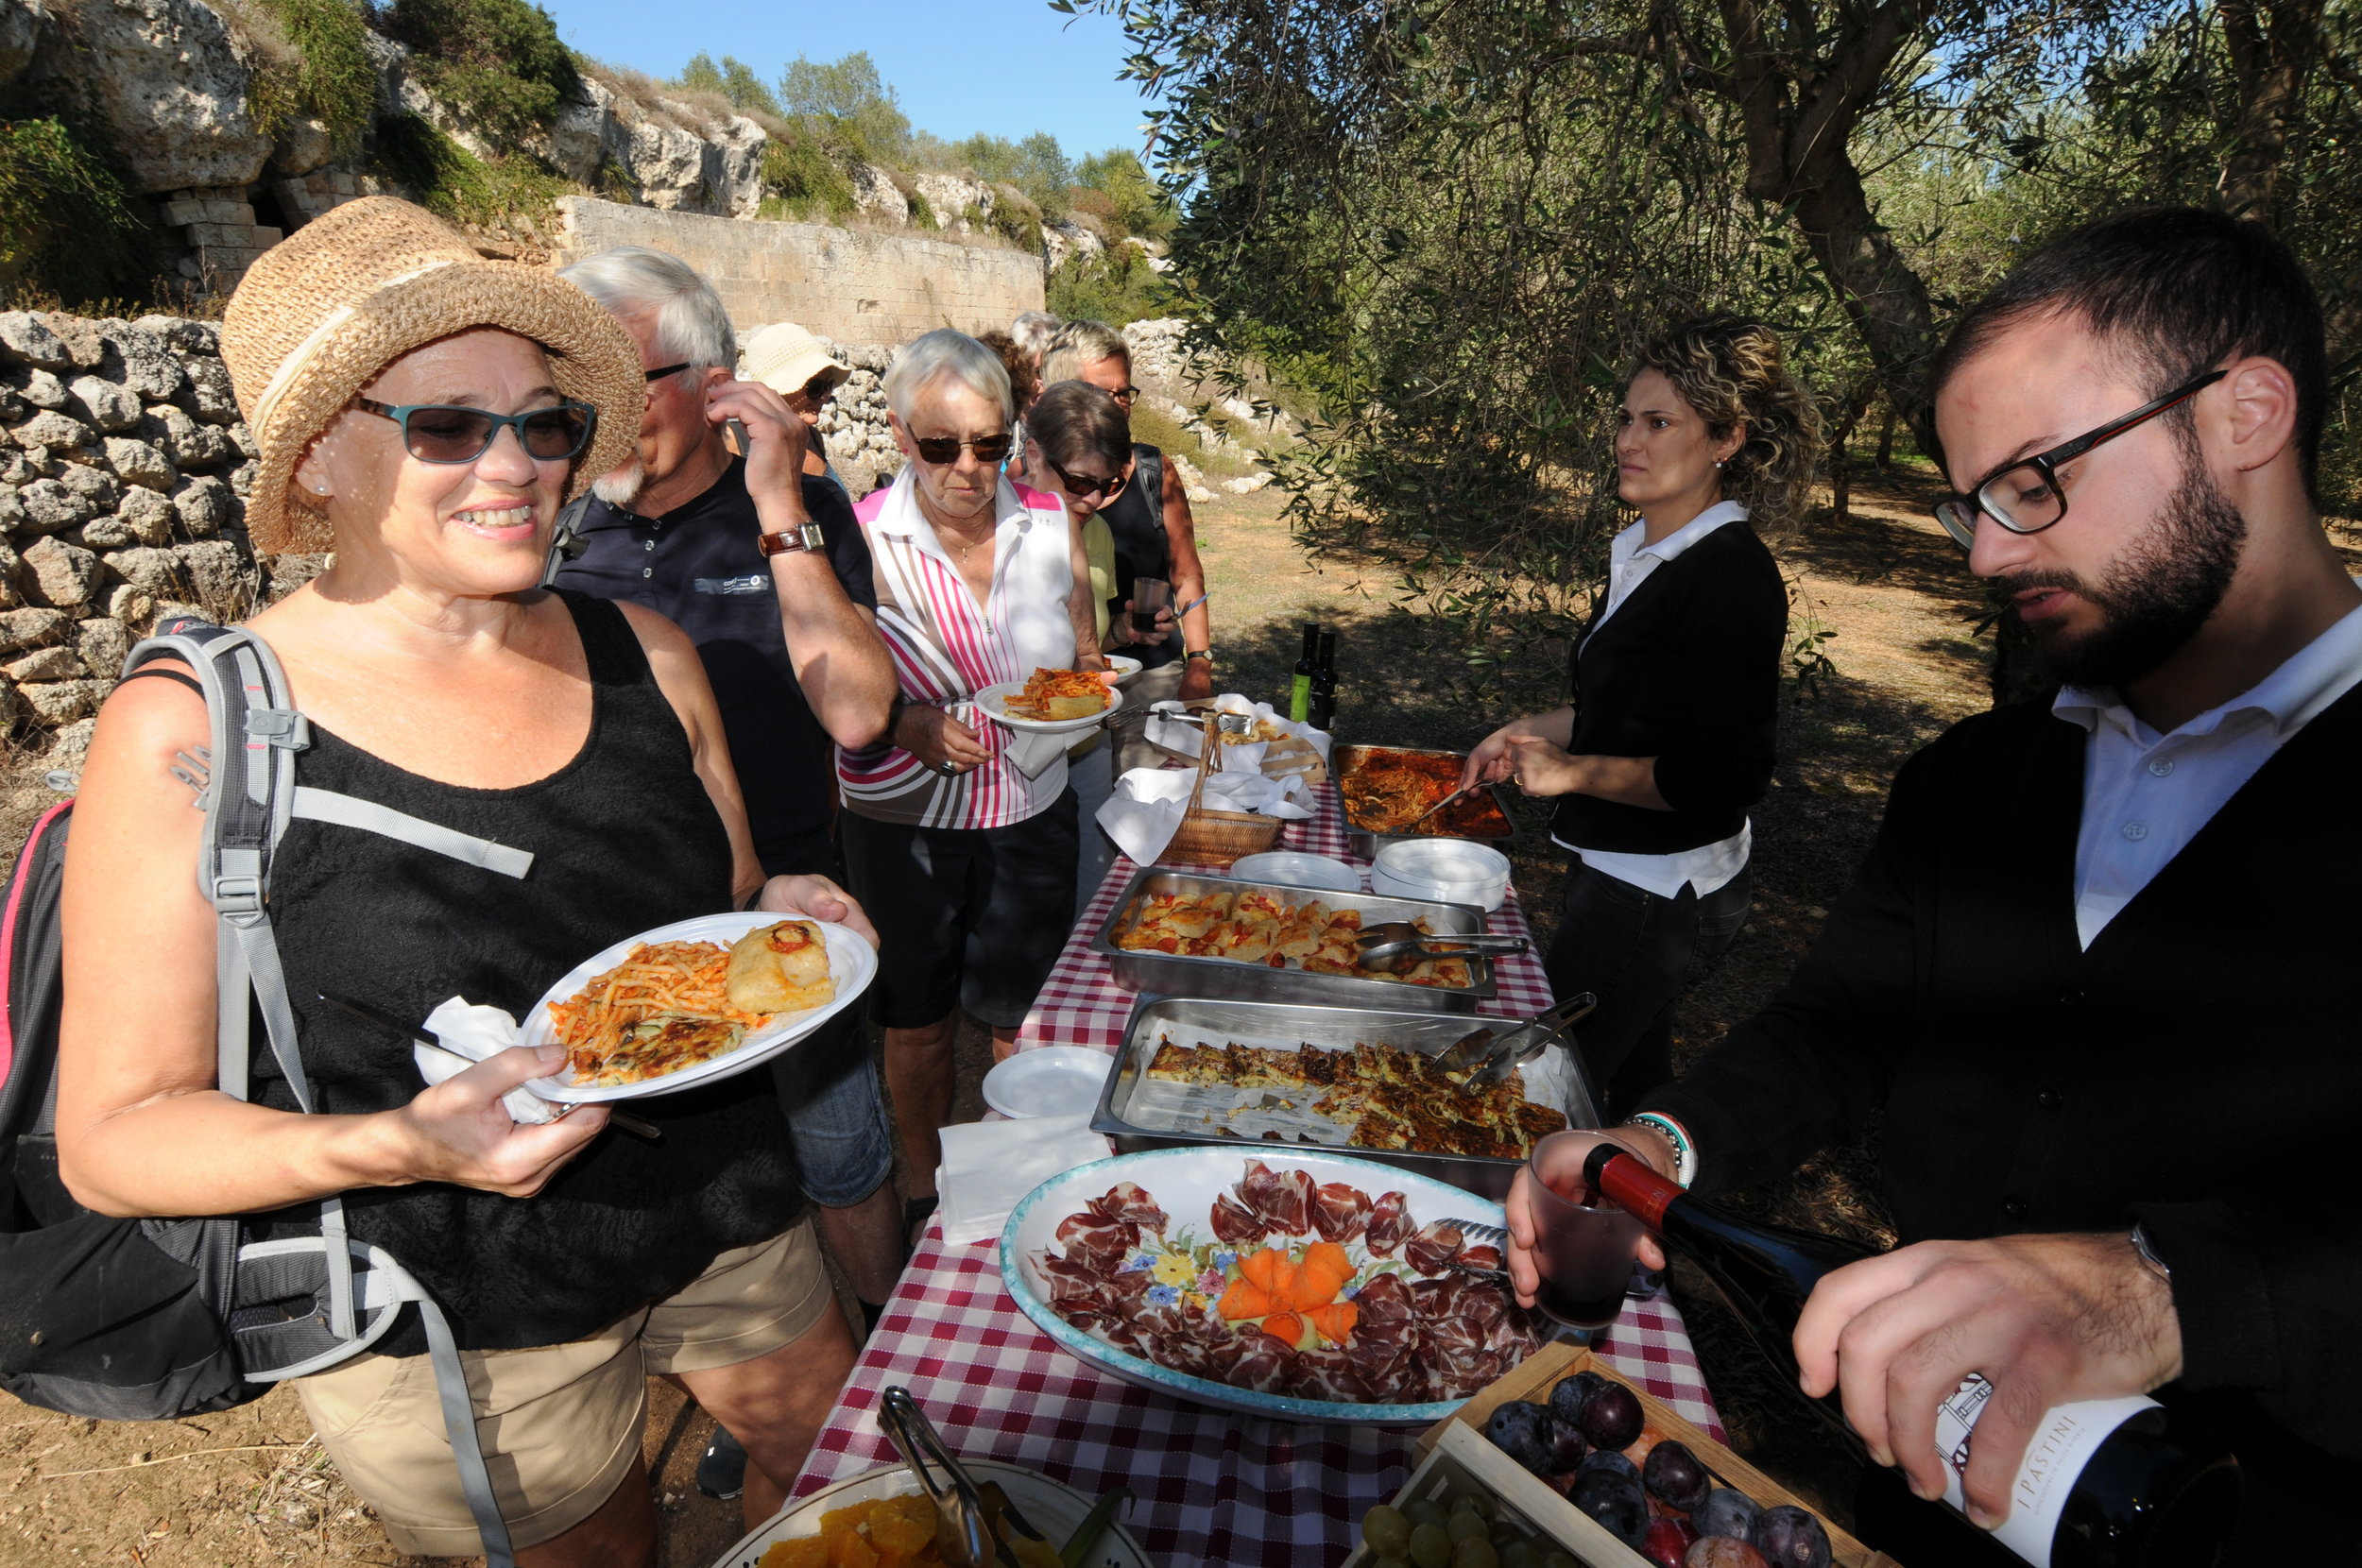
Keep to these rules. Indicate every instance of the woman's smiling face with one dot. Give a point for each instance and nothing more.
(475, 528)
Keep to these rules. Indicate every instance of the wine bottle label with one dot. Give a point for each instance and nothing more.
(1299, 699)
(2061, 1446)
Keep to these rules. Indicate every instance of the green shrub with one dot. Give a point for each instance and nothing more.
(733, 80)
(324, 70)
(800, 174)
(922, 211)
(499, 62)
(67, 227)
(1115, 286)
(450, 179)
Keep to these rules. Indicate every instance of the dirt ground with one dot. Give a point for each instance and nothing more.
(249, 1488)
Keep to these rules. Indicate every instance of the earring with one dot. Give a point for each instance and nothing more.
(1717, 463)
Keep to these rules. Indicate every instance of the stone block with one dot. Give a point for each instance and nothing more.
(148, 514)
(189, 444)
(266, 237)
(226, 234)
(217, 573)
(50, 508)
(206, 506)
(103, 642)
(96, 487)
(107, 532)
(43, 390)
(65, 575)
(137, 463)
(130, 606)
(46, 664)
(31, 628)
(63, 702)
(51, 428)
(142, 361)
(155, 573)
(80, 336)
(28, 340)
(244, 440)
(104, 403)
(211, 398)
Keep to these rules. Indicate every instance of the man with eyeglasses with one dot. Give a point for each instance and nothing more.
(2091, 974)
(766, 570)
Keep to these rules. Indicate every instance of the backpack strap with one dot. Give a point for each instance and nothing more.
(353, 811)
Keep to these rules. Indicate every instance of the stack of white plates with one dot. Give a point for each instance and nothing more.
(1455, 871)
(1291, 869)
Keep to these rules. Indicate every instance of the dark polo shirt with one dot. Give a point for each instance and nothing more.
(698, 567)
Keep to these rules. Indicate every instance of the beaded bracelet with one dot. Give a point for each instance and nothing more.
(1685, 1156)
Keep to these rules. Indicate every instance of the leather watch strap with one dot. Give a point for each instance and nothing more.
(787, 541)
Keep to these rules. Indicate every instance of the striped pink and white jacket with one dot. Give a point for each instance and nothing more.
(947, 648)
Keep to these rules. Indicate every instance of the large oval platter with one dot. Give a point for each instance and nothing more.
(1185, 1184)
(852, 963)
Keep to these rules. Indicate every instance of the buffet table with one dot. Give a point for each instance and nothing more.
(1211, 1485)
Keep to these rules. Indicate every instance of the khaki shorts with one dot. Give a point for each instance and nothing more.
(561, 1424)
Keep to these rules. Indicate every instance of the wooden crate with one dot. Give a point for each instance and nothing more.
(1534, 1499)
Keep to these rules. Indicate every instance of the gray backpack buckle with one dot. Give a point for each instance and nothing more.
(281, 727)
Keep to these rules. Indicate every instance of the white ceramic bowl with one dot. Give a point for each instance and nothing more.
(1185, 1181)
(1456, 871)
(1048, 1080)
(1289, 868)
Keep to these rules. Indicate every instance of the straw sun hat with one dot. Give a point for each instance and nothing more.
(321, 315)
(783, 357)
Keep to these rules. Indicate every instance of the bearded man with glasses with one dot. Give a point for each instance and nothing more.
(2088, 973)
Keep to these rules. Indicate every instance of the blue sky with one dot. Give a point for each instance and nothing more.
(1010, 67)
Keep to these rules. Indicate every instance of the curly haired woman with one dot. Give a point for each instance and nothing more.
(1669, 737)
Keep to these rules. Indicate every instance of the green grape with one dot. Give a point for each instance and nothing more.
(1560, 1559)
(1431, 1546)
(1519, 1554)
(1474, 1552)
(1426, 1511)
(1466, 1524)
(1478, 1503)
(1386, 1531)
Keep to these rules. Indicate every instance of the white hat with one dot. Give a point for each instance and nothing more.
(785, 358)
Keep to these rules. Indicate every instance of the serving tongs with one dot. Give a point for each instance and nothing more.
(1530, 1039)
(1396, 945)
(1461, 793)
(977, 1520)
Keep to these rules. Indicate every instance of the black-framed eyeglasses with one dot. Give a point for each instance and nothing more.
(668, 370)
(940, 450)
(2025, 496)
(452, 432)
(1127, 395)
(820, 388)
(1084, 484)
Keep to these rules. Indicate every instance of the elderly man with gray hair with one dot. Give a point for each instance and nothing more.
(766, 570)
(965, 860)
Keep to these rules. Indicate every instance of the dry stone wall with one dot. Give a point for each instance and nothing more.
(124, 467)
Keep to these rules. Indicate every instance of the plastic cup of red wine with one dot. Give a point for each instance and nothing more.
(1583, 1251)
(1150, 595)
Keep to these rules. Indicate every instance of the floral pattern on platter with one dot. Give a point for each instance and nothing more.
(1306, 1290)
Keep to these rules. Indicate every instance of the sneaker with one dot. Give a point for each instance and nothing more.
(722, 1474)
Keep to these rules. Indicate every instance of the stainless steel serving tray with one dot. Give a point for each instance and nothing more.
(1179, 975)
(1194, 1021)
(1345, 761)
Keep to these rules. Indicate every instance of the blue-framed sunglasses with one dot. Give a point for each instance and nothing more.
(452, 432)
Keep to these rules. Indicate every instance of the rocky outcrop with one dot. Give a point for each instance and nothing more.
(21, 23)
(875, 194)
(671, 156)
(853, 427)
(950, 196)
(1063, 237)
(123, 467)
(171, 77)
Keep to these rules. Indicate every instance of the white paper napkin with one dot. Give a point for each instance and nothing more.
(1172, 726)
(1148, 803)
(989, 1168)
(470, 1033)
(1031, 751)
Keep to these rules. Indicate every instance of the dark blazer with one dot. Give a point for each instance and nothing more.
(1686, 671)
(2198, 1068)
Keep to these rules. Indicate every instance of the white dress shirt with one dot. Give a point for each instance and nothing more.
(2146, 794)
(1709, 866)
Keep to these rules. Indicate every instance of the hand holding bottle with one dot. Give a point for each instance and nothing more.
(2046, 1319)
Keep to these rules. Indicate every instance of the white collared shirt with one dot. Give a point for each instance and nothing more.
(1709, 866)
(2146, 794)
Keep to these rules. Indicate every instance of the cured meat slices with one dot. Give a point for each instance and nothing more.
(1341, 1212)
(1390, 1224)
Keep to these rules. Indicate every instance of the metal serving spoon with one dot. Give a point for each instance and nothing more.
(974, 1518)
(1530, 1039)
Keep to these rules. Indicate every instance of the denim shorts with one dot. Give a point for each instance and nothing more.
(836, 1117)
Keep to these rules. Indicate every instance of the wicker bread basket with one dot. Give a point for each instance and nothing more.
(1218, 838)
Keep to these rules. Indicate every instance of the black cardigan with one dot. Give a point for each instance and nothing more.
(2198, 1068)
(1686, 671)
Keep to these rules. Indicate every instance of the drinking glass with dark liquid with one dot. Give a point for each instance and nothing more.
(1582, 1244)
(1150, 595)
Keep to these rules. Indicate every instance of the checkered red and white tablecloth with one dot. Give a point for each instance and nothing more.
(1211, 1487)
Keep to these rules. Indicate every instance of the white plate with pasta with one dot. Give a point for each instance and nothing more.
(652, 1013)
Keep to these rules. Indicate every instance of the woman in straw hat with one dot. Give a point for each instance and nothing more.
(424, 413)
(798, 366)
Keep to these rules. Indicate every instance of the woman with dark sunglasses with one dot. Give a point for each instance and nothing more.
(965, 859)
(1669, 737)
(425, 413)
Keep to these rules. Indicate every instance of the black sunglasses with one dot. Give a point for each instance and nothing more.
(451, 433)
(2024, 496)
(667, 371)
(1127, 395)
(1083, 484)
(940, 450)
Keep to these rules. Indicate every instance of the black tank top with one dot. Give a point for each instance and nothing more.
(624, 838)
(1136, 520)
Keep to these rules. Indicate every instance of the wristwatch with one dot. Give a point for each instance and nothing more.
(1205, 654)
(787, 541)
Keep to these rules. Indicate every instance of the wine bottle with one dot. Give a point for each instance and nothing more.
(2106, 1483)
(1300, 693)
(1322, 710)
